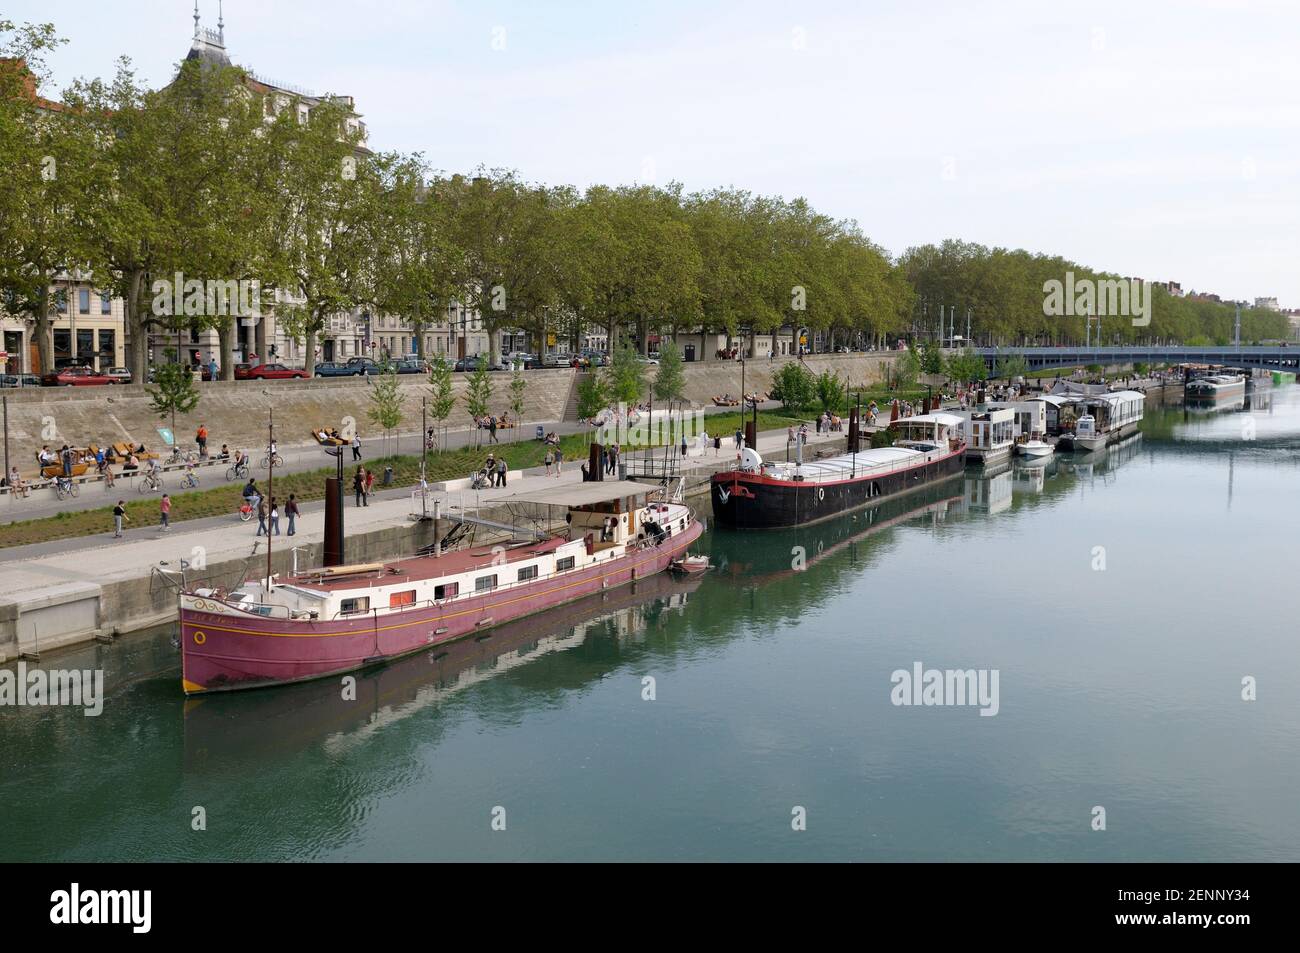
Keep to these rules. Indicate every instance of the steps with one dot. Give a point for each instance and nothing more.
(571, 405)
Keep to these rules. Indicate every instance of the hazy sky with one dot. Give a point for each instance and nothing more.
(1154, 139)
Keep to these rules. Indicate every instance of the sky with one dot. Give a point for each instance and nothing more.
(1153, 139)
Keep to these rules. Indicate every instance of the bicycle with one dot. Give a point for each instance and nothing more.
(237, 472)
(150, 481)
(245, 510)
(190, 482)
(63, 486)
(181, 456)
(272, 460)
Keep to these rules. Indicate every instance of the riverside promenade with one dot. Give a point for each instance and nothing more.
(71, 591)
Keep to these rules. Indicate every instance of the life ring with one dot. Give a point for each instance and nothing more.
(821, 494)
(199, 638)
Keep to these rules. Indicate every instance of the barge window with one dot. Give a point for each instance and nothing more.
(566, 563)
(359, 604)
(446, 591)
(527, 572)
(397, 599)
(485, 583)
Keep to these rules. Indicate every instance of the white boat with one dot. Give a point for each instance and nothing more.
(1035, 449)
(1216, 387)
(989, 435)
(1108, 418)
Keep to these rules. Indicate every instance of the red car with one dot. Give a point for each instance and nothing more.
(268, 372)
(75, 377)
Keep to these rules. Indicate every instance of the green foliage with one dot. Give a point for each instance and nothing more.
(593, 396)
(625, 376)
(1010, 365)
(967, 366)
(882, 438)
(930, 357)
(830, 389)
(518, 390)
(907, 367)
(793, 385)
(385, 401)
(670, 382)
(440, 387)
(1094, 368)
(173, 390)
(478, 394)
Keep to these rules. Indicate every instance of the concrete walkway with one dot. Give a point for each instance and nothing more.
(103, 559)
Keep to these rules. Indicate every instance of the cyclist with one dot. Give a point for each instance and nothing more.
(251, 493)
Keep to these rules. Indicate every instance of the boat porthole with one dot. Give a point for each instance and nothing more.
(199, 638)
(821, 493)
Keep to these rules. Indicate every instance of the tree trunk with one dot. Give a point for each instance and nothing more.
(41, 330)
(226, 347)
(137, 355)
(309, 348)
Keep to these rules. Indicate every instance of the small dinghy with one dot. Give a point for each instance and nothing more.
(690, 565)
(1035, 449)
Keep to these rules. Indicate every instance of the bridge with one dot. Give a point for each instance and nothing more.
(1265, 357)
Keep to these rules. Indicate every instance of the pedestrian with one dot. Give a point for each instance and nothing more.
(789, 434)
(201, 438)
(717, 444)
(359, 484)
(370, 486)
(559, 462)
(212, 368)
(261, 517)
(67, 455)
(165, 511)
(683, 444)
(550, 459)
(490, 468)
(604, 459)
(291, 511)
(356, 447)
(739, 438)
(501, 471)
(119, 514)
(492, 429)
(275, 518)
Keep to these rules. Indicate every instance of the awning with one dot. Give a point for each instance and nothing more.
(581, 494)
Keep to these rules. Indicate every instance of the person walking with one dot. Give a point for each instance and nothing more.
(212, 367)
(261, 517)
(67, 455)
(739, 438)
(559, 462)
(275, 518)
(356, 447)
(604, 459)
(359, 484)
(717, 444)
(683, 444)
(550, 460)
(501, 471)
(492, 429)
(109, 478)
(490, 468)
(370, 485)
(165, 512)
(291, 511)
(119, 515)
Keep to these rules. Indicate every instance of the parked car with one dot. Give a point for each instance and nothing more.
(469, 363)
(411, 365)
(120, 374)
(268, 372)
(364, 365)
(20, 380)
(334, 369)
(75, 377)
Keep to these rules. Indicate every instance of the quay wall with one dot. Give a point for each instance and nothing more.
(235, 411)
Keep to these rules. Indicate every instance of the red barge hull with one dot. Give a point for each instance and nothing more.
(226, 648)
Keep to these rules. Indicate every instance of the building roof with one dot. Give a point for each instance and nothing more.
(582, 494)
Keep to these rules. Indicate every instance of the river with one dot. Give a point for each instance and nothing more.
(750, 714)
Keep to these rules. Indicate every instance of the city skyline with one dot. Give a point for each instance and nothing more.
(1091, 134)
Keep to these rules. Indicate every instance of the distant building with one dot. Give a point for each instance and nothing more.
(1267, 304)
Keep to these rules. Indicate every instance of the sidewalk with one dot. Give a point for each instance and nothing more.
(103, 559)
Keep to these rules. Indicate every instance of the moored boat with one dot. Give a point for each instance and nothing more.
(1216, 387)
(763, 494)
(338, 619)
(1035, 449)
